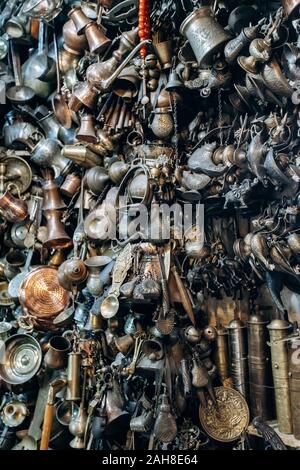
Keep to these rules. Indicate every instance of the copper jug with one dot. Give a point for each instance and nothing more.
(52, 198)
(73, 42)
(96, 38)
(57, 355)
(13, 209)
(79, 19)
(83, 95)
(86, 132)
(57, 238)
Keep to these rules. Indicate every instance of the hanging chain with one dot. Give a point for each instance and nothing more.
(175, 116)
(220, 110)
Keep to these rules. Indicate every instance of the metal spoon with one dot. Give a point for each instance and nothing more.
(42, 66)
(18, 93)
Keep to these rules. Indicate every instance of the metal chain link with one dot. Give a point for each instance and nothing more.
(220, 111)
(175, 117)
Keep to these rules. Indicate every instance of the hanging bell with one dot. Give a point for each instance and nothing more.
(174, 82)
(86, 132)
(165, 427)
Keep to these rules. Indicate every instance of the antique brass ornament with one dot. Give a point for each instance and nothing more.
(227, 421)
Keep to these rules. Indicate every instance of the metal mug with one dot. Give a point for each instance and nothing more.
(57, 355)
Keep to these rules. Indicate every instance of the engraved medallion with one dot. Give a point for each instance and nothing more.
(226, 422)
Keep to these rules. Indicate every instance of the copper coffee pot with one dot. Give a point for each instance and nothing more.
(96, 38)
(52, 198)
(57, 238)
(86, 132)
(74, 43)
(79, 19)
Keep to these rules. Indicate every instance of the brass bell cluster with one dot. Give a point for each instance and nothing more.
(149, 224)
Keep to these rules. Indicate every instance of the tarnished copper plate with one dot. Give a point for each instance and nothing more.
(41, 293)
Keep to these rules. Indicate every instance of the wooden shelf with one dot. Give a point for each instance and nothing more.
(288, 439)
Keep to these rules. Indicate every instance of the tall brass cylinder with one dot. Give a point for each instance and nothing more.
(278, 330)
(294, 382)
(222, 353)
(73, 377)
(238, 356)
(260, 380)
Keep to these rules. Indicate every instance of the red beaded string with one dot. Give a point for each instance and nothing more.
(144, 24)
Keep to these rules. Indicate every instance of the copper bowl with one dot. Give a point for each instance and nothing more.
(41, 293)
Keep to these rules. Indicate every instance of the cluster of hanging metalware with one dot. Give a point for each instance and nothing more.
(112, 341)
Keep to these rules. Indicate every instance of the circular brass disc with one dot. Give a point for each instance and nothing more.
(41, 293)
(227, 422)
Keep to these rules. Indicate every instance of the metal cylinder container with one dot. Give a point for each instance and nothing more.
(238, 355)
(221, 353)
(294, 383)
(260, 380)
(73, 376)
(278, 330)
(204, 34)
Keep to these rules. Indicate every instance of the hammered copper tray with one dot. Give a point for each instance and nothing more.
(41, 293)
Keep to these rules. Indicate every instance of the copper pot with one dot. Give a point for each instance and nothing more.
(41, 293)
(74, 43)
(13, 209)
